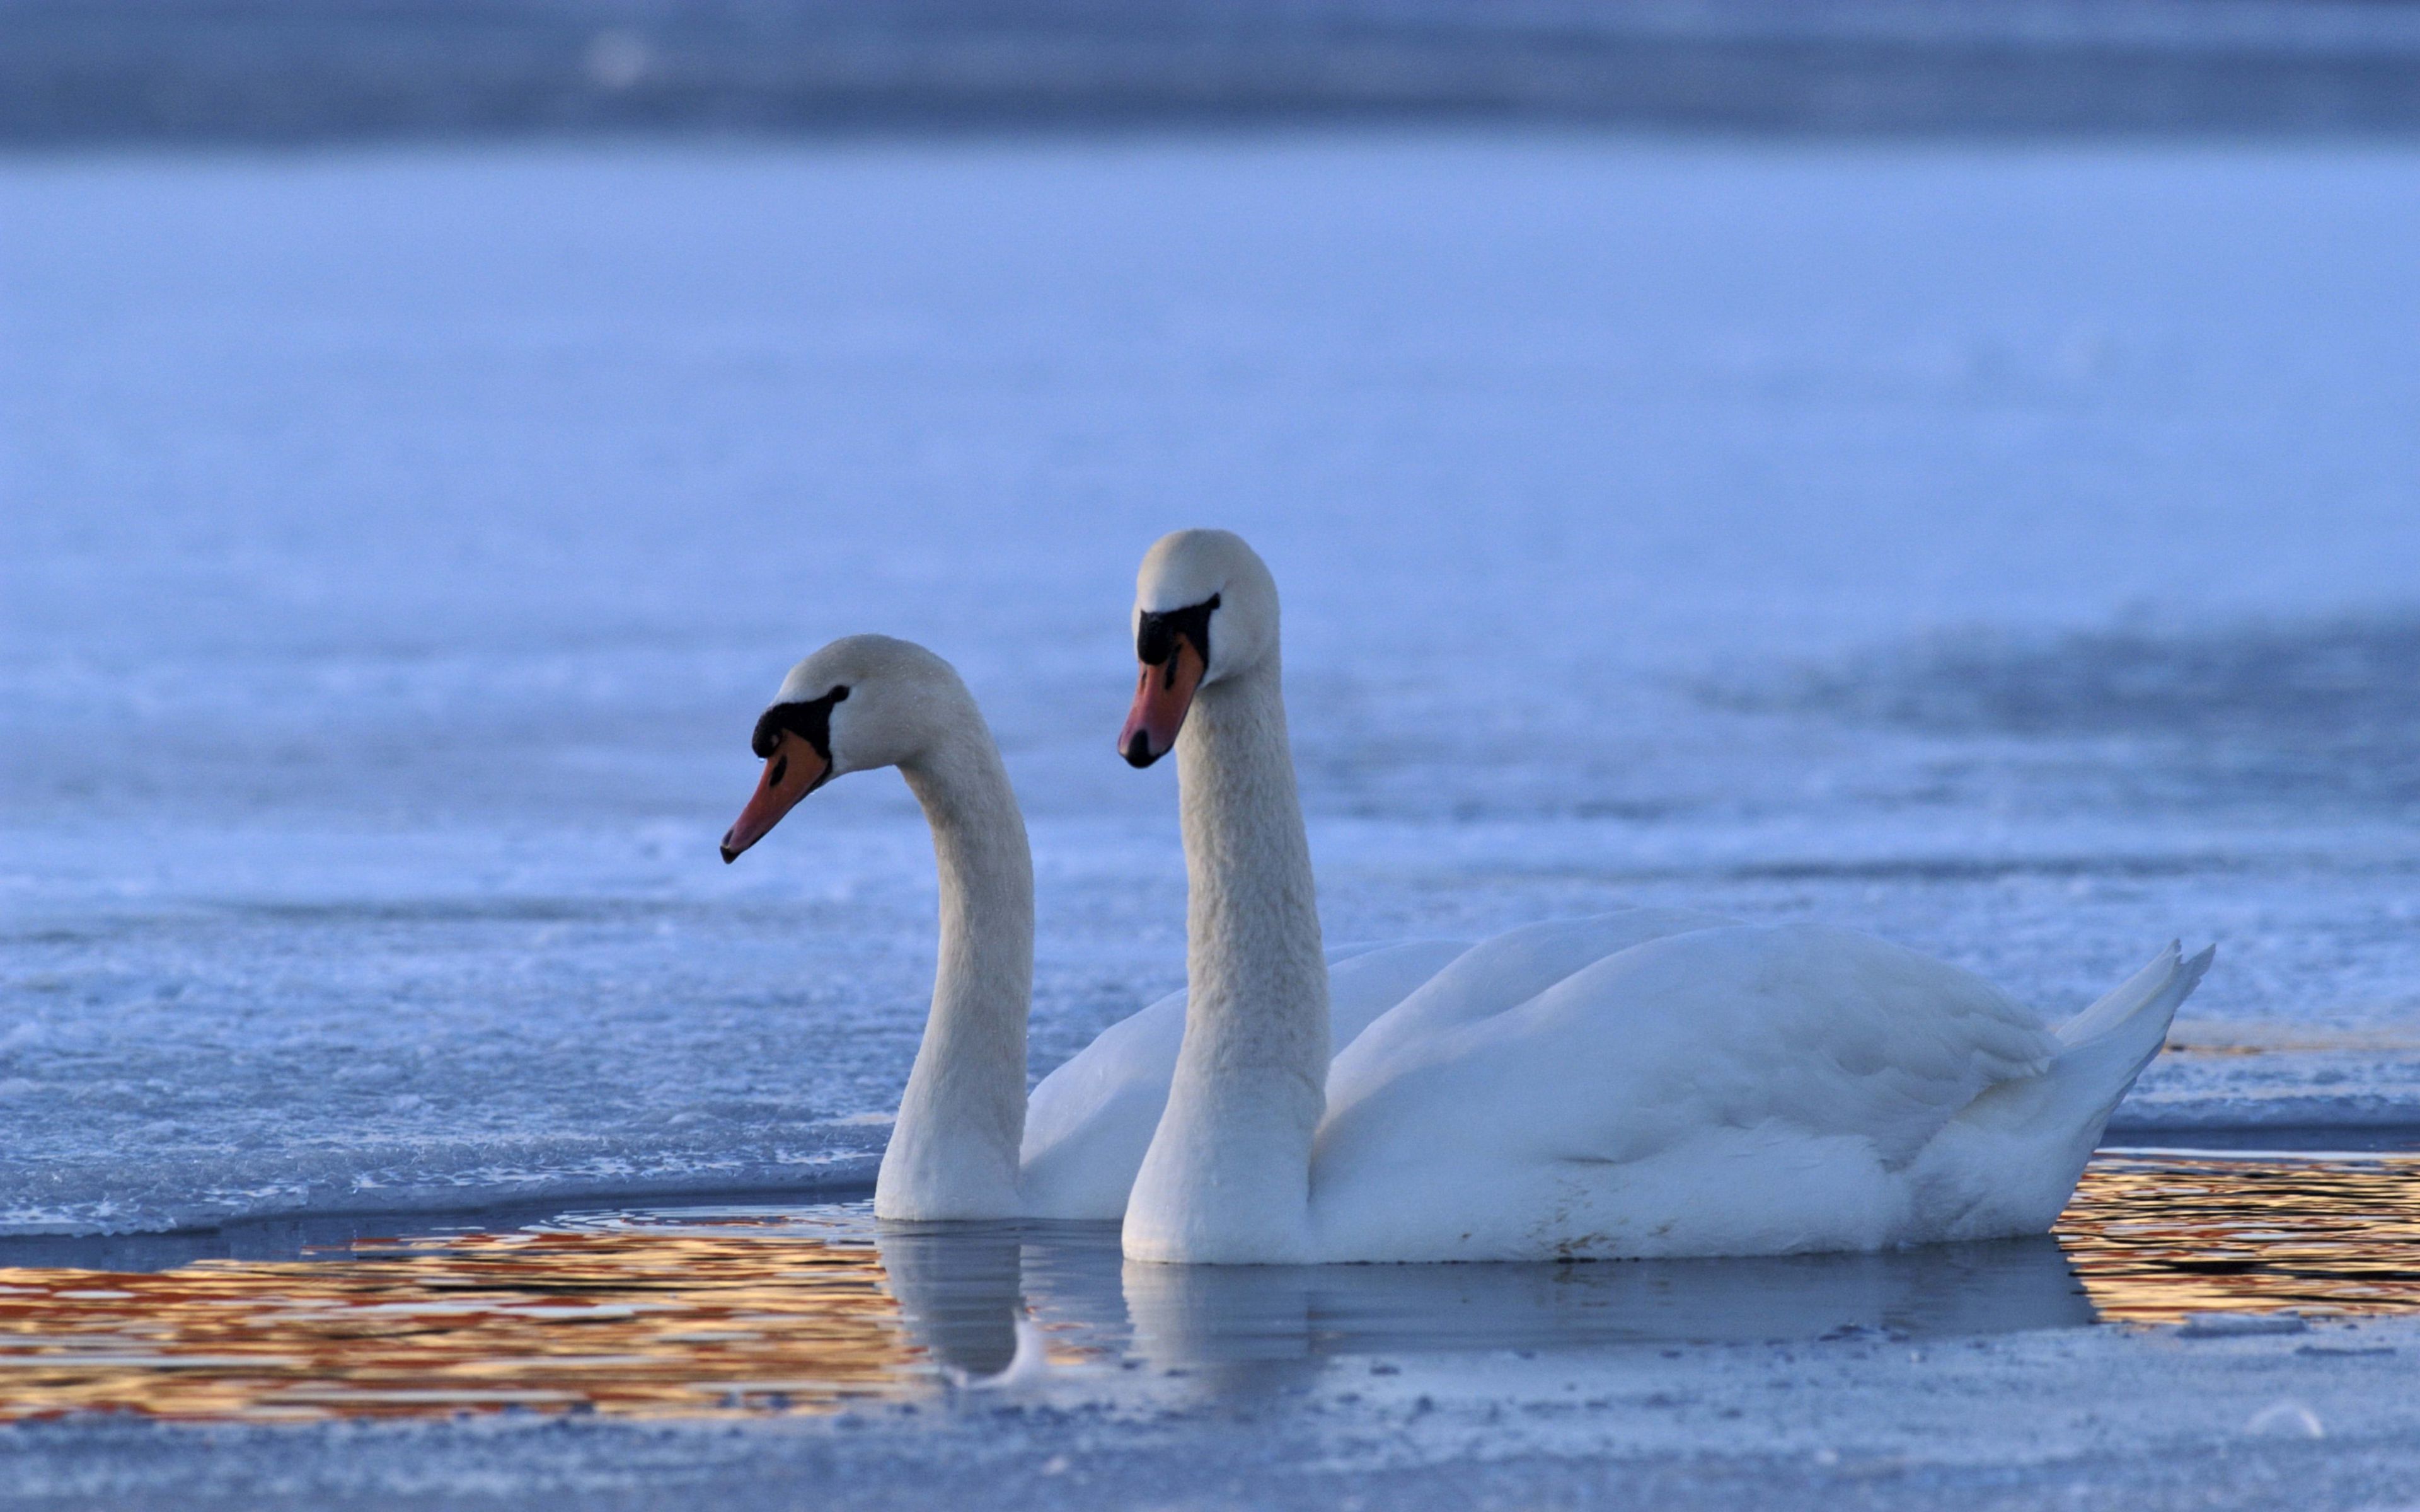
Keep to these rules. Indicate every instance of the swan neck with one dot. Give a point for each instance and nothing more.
(1227, 1177)
(954, 1151)
(1253, 964)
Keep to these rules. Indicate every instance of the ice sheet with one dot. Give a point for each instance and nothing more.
(2002, 548)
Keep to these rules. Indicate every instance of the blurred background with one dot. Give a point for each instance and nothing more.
(1949, 468)
(300, 70)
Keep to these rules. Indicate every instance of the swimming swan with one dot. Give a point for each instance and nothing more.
(1640, 1084)
(967, 1144)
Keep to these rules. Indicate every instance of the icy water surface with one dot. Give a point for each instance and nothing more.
(690, 1311)
(2005, 549)
(2155, 1237)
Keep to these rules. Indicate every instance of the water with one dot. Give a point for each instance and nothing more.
(2001, 548)
(2159, 1238)
(748, 1309)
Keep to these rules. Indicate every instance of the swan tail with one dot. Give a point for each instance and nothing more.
(2010, 1160)
(2096, 1056)
(2102, 1049)
(2137, 1013)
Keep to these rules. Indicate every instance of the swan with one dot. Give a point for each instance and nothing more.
(1634, 1085)
(966, 1143)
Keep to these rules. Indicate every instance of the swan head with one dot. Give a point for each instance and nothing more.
(863, 701)
(1205, 611)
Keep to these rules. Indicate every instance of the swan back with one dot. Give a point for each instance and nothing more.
(1493, 975)
(1809, 1064)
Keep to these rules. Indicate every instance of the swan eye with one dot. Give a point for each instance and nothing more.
(811, 722)
(1156, 637)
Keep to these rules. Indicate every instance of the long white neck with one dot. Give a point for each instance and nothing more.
(954, 1151)
(1227, 1178)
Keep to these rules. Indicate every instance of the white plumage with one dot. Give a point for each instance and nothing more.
(1644, 1083)
(1652, 1082)
(1648, 1082)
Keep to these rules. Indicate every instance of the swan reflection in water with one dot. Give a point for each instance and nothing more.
(960, 1290)
(698, 1312)
(690, 1311)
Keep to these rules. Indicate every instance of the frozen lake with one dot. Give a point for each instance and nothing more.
(2005, 549)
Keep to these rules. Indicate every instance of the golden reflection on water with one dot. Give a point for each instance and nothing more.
(704, 1313)
(635, 1320)
(2155, 1237)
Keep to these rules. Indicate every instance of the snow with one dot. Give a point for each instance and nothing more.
(2003, 548)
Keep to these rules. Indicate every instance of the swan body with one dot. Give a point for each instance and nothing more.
(1644, 1083)
(1730, 1089)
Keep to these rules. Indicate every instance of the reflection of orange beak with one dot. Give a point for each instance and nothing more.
(793, 771)
(1161, 698)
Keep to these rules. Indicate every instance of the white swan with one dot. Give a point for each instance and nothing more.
(967, 1144)
(1641, 1084)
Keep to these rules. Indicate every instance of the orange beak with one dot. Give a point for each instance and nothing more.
(793, 771)
(1161, 698)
